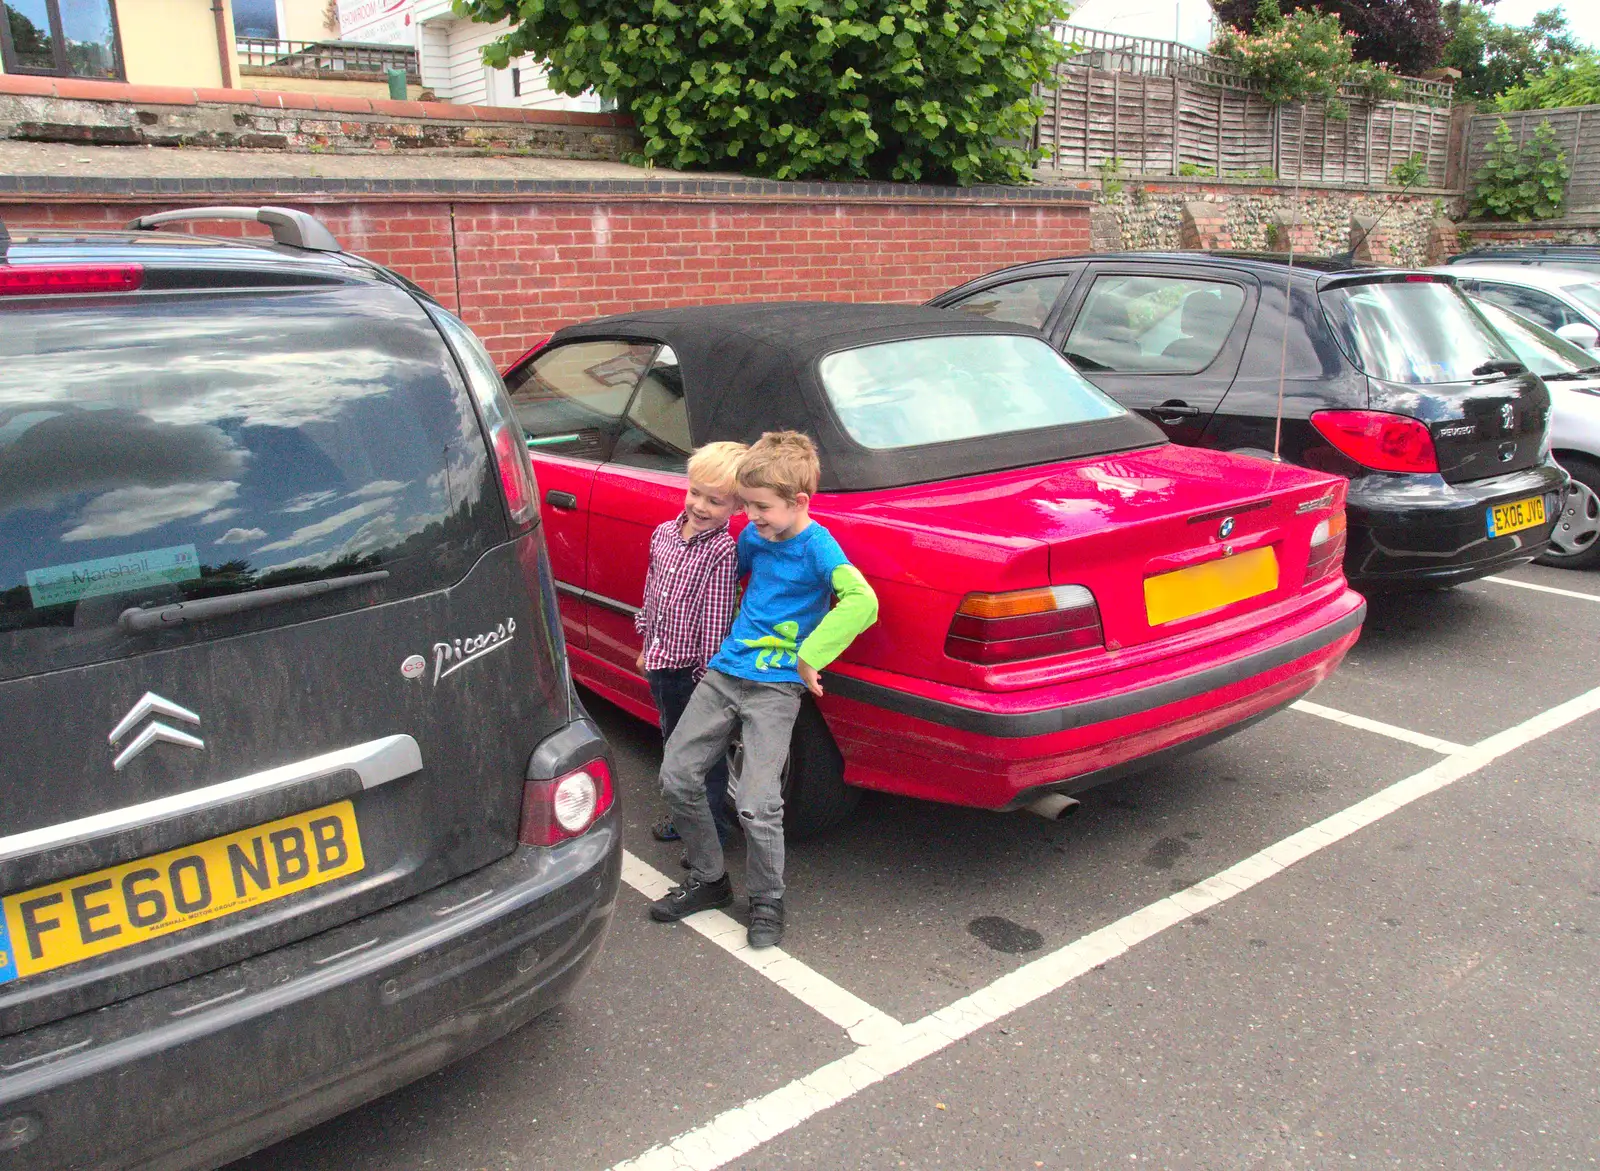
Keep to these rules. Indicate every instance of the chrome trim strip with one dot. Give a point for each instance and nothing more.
(376, 762)
(595, 599)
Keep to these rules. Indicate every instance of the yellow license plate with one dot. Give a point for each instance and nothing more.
(1184, 593)
(66, 922)
(1516, 516)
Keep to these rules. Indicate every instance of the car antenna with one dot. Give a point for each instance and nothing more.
(1288, 309)
(1350, 253)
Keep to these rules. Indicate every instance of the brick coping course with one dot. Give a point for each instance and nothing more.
(83, 89)
(14, 188)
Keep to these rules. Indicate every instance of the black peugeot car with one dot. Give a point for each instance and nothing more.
(297, 801)
(1388, 377)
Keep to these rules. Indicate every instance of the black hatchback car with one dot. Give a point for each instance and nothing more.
(297, 801)
(1390, 378)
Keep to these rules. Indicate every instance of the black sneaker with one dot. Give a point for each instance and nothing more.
(766, 922)
(692, 896)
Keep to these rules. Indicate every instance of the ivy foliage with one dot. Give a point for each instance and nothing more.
(1521, 183)
(905, 90)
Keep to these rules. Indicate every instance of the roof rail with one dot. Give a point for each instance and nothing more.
(296, 229)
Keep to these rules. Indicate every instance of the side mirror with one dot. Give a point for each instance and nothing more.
(1580, 334)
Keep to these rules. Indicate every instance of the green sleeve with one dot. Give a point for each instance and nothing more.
(856, 610)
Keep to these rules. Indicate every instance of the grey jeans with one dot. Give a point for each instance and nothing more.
(764, 713)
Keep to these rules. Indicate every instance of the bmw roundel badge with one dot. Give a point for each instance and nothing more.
(1225, 530)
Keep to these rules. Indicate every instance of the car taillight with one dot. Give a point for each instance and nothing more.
(1379, 440)
(505, 433)
(556, 810)
(1327, 547)
(1024, 624)
(513, 466)
(25, 280)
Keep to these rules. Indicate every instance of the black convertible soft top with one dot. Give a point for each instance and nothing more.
(752, 368)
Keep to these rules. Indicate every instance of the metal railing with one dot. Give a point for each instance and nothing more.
(328, 57)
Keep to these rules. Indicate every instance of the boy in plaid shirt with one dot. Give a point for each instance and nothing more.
(689, 596)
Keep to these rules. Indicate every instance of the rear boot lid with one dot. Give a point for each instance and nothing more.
(269, 657)
(1485, 427)
(1117, 523)
(1429, 354)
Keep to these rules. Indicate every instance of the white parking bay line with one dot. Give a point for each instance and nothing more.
(1448, 747)
(864, 1024)
(740, 1130)
(1543, 589)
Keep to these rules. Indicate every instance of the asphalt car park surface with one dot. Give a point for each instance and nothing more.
(1408, 982)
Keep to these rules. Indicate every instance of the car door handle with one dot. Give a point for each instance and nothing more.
(557, 499)
(1176, 409)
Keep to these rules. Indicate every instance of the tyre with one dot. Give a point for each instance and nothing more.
(1575, 543)
(815, 797)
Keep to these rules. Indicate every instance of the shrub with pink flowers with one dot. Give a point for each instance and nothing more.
(1302, 57)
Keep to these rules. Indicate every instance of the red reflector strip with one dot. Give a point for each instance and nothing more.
(1325, 559)
(1026, 626)
(1011, 650)
(24, 280)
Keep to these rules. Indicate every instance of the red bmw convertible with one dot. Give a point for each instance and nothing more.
(1065, 597)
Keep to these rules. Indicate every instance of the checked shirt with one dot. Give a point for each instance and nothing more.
(689, 595)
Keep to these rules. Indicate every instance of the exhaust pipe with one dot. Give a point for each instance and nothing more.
(1053, 806)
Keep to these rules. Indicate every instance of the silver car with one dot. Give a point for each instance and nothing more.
(1573, 377)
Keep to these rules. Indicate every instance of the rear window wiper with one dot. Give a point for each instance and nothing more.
(1569, 375)
(137, 620)
(1500, 366)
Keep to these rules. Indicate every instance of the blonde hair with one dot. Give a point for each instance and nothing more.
(783, 461)
(716, 465)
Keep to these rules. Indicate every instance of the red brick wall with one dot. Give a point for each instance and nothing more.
(517, 271)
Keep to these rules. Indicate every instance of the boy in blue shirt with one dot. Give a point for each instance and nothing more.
(782, 637)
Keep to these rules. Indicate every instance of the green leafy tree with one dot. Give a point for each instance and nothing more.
(1406, 35)
(909, 90)
(1302, 56)
(1495, 57)
(1522, 183)
(1572, 81)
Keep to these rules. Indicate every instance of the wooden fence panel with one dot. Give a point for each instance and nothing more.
(1577, 129)
(1166, 125)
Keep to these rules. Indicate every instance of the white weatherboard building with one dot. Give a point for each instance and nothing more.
(450, 60)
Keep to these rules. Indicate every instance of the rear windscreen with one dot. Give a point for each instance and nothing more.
(1412, 331)
(1535, 346)
(172, 447)
(940, 389)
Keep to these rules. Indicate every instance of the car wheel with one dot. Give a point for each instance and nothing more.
(815, 797)
(1575, 543)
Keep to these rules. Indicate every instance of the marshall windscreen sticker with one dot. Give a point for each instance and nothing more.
(58, 584)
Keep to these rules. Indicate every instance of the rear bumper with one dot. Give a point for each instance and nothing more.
(203, 1071)
(1411, 531)
(997, 751)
